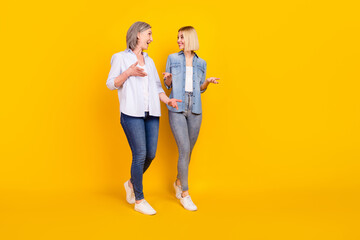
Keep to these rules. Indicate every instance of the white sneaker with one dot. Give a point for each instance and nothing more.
(188, 203)
(145, 208)
(130, 196)
(178, 191)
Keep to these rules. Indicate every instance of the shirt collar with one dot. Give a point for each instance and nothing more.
(182, 52)
(128, 50)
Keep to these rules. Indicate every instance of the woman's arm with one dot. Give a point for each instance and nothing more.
(171, 102)
(133, 70)
(204, 83)
(162, 96)
(207, 82)
(204, 86)
(167, 79)
(117, 78)
(167, 74)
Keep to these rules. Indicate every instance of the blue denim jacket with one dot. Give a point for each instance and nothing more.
(176, 65)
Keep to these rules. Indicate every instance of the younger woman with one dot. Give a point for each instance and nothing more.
(185, 75)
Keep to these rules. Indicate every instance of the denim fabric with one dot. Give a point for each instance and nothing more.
(185, 127)
(176, 65)
(142, 135)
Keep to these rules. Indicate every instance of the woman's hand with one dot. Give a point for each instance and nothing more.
(133, 70)
(167, 75)
(168, 78)
(173, 103)
(208, 81)
(212, 80)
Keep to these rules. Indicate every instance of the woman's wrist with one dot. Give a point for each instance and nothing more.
(204, 85)
(127, 74)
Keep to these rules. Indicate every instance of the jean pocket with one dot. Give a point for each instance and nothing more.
(200, 73)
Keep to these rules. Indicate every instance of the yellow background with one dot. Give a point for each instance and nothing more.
(278, 152)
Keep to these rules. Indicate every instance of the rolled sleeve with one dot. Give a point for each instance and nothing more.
(115, 71)
(204, 77)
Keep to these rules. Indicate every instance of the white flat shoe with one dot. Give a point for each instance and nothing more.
(145, 208)
(188, 203)
(178, 191)
(130, 196)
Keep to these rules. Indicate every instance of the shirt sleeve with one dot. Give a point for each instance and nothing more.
(167, 69)
(157, 79)
(115, 71)
(204, 77)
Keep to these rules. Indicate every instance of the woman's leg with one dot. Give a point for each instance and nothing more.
(194, 123)
(180, 131)
(134, 129)
(152, 133)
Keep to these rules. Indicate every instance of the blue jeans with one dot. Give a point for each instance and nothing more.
(185, 127)
(142, 135)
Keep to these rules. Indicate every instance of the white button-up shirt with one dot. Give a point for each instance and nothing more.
(131, 93)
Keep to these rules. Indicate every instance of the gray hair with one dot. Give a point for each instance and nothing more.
(131, 36)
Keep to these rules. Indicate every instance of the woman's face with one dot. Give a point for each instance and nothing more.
(145, 38)
(181, 40)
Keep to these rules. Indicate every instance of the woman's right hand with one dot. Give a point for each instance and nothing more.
(133, 70)
(173, 103)
(168, 76)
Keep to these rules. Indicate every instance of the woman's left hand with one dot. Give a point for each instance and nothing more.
(173, 103)
(213, 80)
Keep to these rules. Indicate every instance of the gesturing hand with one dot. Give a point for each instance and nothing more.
(213, 80)
(133, 70)
(173, 103)
(168, 76)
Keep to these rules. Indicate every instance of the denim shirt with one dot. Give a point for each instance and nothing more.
(176, 65)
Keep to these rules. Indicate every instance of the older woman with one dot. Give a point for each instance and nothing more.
(185, 74)
(133, 74)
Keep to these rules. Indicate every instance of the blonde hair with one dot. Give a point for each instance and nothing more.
(191, 38)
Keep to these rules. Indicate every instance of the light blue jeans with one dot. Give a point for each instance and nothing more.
(185, 127)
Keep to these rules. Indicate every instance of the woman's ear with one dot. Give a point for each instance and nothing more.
(138, 35)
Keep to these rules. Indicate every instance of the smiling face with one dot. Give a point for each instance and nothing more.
(181, 40)
(144, 39)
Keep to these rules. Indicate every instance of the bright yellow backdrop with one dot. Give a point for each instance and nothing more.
(278, 152)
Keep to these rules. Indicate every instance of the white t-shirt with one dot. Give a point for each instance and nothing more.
(189, 79)
(146, 88)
